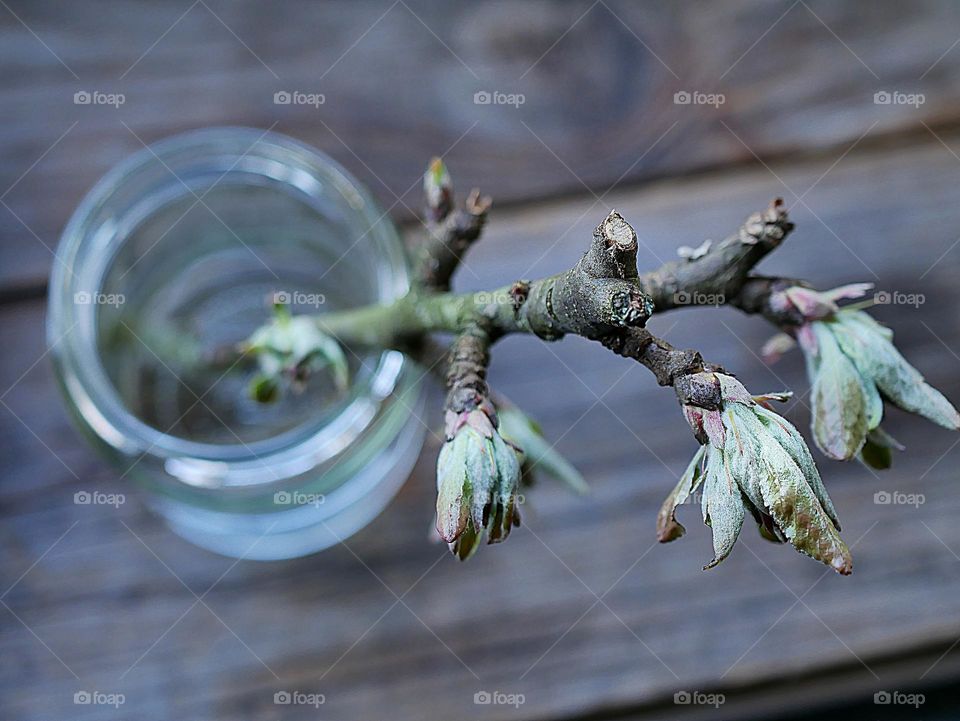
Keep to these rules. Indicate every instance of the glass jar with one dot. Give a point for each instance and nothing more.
(177, 254)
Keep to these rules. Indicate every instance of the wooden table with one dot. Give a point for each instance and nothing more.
(581, 611)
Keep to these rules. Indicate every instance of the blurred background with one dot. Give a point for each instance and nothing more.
(684, 116)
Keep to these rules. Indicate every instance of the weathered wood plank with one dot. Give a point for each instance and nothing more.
(100, 599)
(399, 82)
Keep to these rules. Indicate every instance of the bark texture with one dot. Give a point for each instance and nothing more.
(602, 297)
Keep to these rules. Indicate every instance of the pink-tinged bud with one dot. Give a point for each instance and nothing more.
(765, 471)
(713, 427)
(453, 422)
(779, 302)
(480, 421)
(776, 346)
(706, 425)
(848, 292)
(694, 416)
(478, 473)
(814, 304)
(732, 390)
(483, 419)
(807, 339)
(854, 370)
(810, 303)
(490, 410)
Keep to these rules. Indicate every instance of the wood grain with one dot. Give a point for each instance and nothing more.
(399, 78)
(523, 617)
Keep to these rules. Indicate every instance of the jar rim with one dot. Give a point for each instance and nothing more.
(71, 327)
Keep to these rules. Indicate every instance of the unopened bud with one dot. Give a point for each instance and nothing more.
(438, 189)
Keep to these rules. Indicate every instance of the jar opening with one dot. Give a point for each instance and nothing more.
(180, 250)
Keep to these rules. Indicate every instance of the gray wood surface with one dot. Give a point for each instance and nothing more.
(112, 607)
(399, 78)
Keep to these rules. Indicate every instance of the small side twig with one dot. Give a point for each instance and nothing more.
(722, 269)
(450, 230)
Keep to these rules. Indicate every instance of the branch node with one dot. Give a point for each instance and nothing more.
(451, 230)
(519, 292)
(769, 226)
(631, 307)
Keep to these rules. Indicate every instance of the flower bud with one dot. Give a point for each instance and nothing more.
(438, 189)
(853, 365)
(478, 474)
(754, 461)
(291, 349)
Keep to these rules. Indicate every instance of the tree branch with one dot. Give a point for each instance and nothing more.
(602, 298)
(722, 270)
(450, 231)
(754, 299)
(599, 295)
(583, 301)
(466, 377)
